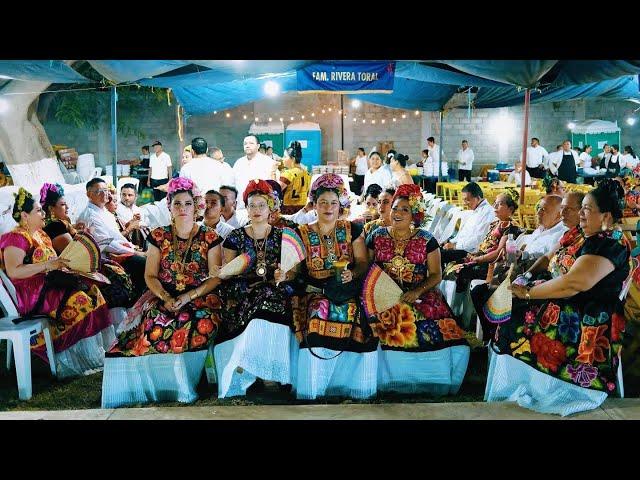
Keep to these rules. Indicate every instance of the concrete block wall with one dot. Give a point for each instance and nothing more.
(547, 122)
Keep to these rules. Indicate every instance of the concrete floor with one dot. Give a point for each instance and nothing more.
(612, 409)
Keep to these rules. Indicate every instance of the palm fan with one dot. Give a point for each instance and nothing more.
(498, 308)
(379, 292)
(83, 254)
(237, 266)
(292, 250)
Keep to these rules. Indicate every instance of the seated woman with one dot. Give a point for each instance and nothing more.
(559, 352)
(255, 336)
(384, 212)
(553, 185)
(179, 314)
(475, 265)
(556, 262)
(337, 349)
(516, 176)
(58, 227)
(423, 347)
(80, 325)
(372, 200)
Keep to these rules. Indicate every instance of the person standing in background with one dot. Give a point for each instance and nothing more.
(465, 162)
(362, 165)
(159, 170)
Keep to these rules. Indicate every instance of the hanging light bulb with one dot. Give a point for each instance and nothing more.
(382, 121)
(571, 125)
(215, 112)
(394, 119)
(227, 114)
(292, 118)
(323, 110)
(329, 108)
(364, 121)
(631, 121)
(313, 114)
(302, 117)
(257, 119)
(270, 118)
(281, 118)
(356, 103)
(417, 112)
(354, 119)
(373, 121)
(404, 115)
(244, 116)
(340, 111)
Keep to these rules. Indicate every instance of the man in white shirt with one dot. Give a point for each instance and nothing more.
(227, 177)
(362, 165)
(434, 154)
(548, 233)
(254, 165)
(465, 162)
(131, 215)
(230, 214)
(474, 228)
(536, 159)
(585, 157)
(563, 163)
(159, 170)
(305, 215)
(203, 170)
(614, 162)
(214, 202)
(104, 229)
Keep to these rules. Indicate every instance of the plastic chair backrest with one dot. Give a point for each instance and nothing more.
(8, 298)
(444, 230)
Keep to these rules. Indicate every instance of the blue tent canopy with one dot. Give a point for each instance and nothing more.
(620, 88)
(411, 94)
(53, 71)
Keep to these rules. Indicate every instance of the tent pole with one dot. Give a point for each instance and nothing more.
(441, 152)
(114, 133)
(341, 122)
(525, 136)
(180, 129)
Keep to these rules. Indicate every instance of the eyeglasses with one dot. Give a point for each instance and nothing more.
(257, 206)
(101, 190)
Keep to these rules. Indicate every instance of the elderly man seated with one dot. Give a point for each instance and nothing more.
(475, 227)
(530, 248)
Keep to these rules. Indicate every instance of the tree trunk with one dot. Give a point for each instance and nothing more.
(22, 137)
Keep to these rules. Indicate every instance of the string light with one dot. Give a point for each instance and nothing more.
(355, 120)
(257, 119)
(323, 110)
(292, 119)
(364, 121)
(313, 114)
(373, 121)
(244, 116)
(302, 117)
(329, 108)
(404, 115)
(281, 118)
(270, 119)
(215, 112)
(227, 114)
(417, 112)
(394, 119)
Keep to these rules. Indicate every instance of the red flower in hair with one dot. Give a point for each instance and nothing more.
(416, 202)
(259, 186)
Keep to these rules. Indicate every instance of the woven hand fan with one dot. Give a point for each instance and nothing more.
(292, 250)
(83, 254)
(379, 292)
(237, 266)
(498, 308)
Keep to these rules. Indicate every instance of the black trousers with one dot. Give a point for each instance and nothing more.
(158, 194)
(464, 175)
(358, 183)
(480, 295)
(537, 172)
(135, 266)
(447, 256)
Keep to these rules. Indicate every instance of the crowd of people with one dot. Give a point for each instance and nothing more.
(306, 328)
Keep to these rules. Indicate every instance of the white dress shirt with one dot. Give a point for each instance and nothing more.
(362, 165)
(126, 214)
(540, 241)
(381, 176)
(536, 156)
(613, 159)
(227, 177)
(239, 219)
(303, 218)
(475, 228)
(434, 153)
(555, 159)
(465, 159)
(205, 172)
(629, 161)
(585, 160)
(104, 227)
(516, 177)
(222, 228)
(159, 165)
(260, 167)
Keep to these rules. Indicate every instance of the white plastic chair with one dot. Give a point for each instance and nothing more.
(19, 335)
(446, 226)
(124, 180)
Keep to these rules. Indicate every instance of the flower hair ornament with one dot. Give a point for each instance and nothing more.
(512, 193)
(331, 181)
(182, 184)
(20, 197)
(47, 190)
(414, 195)
(263, 188)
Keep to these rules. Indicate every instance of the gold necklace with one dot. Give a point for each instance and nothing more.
(179, 260)
(330, 242)
(399, 262)
(261, 260)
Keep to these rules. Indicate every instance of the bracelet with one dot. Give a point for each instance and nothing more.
(528, 295)
(194, 294)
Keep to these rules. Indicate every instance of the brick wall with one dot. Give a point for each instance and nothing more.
(547, 122)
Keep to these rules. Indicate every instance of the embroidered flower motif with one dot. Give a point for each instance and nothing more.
(569, 327)
(550, 316)
(549, 353)
(520, 348)
(593, 344)
(397, 327)
(583, 374)
(617, 326)
(450, 329)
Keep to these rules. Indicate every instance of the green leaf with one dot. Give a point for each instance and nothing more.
(167, 334)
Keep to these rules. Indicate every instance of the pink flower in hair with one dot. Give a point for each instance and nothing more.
(47, 188)
(182, 184)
